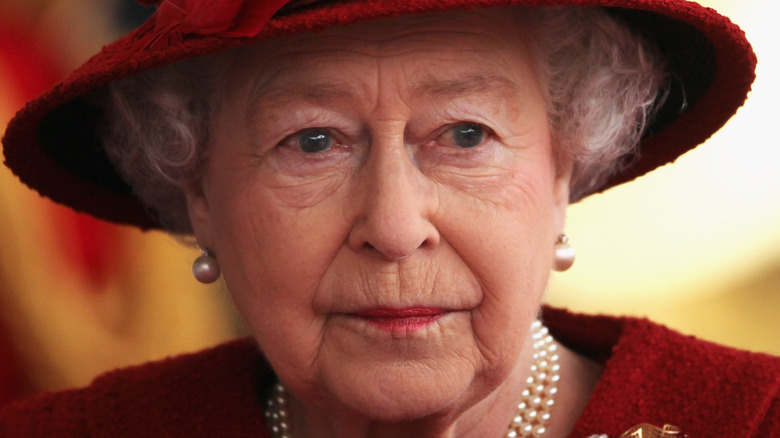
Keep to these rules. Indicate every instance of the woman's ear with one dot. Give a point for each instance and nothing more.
(199, 213)
(561, 188)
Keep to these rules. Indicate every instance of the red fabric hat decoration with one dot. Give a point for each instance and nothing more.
(51, 144)
(224, 18)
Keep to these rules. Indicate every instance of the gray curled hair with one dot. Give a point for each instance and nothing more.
(602, 83)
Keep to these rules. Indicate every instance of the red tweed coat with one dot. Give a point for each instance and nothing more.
(651, 375)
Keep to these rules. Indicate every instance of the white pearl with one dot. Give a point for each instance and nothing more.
(564, 256)
(205, 269)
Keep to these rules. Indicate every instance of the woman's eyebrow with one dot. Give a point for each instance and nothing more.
(324, 93)
(488, 86)
(331, 92)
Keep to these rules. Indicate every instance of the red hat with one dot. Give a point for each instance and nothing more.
(52, 146)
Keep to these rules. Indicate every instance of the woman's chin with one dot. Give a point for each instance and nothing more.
(399, 372)
(402, 391)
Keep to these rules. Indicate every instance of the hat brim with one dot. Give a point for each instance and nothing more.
(52, 147)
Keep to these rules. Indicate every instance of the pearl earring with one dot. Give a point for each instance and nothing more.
(564, 254)
(206, 268)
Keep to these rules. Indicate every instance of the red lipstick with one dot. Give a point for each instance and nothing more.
(401, 319)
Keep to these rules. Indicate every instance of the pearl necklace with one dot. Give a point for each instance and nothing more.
(533, 411)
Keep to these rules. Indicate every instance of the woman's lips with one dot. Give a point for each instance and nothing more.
(401, 319)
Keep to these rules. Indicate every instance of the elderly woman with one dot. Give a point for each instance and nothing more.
(383, 187)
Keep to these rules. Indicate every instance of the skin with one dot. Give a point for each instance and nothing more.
(395, 214)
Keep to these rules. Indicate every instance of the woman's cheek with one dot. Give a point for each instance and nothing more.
(301, 181)
(484, 173)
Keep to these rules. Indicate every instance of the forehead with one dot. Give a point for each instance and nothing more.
(433, 49)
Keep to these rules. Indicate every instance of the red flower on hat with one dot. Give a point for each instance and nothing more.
(226, 18)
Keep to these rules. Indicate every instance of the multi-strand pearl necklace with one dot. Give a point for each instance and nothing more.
(533, 411)
(276, 412)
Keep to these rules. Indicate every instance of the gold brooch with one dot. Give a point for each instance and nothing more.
(649, 431)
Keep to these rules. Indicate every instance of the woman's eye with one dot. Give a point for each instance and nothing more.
(468, 135)
(313, 141)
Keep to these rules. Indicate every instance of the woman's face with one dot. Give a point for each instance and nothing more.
(383, 201)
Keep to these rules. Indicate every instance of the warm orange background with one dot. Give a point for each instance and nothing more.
(694, 245)
(79, 296)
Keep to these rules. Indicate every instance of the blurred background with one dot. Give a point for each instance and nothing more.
(695, 245)
(79, 296)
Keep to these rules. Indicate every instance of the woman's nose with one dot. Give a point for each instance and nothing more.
(395, 206)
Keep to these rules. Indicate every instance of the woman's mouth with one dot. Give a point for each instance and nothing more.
(405, 319)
